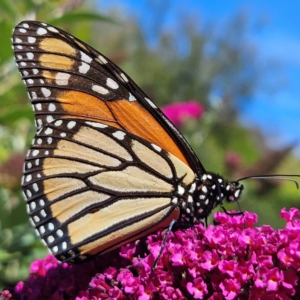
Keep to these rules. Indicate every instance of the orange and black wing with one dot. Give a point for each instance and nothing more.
(67, 78)
(106, 166)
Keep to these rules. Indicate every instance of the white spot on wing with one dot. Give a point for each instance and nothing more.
(31, 39)
(48, 130)
(62, 78)
(111, 83)
(175, 200)
(46, 92)
(58, 122)
(85, 57)
(150, 102)
(99, 89)
(50, 28)
(35, 152)
(28, 178)
(59, 233)
(35, 187)
(124, 77)
(101, 59)
(71, 124)
(49, 119)
(50, 239)
(29, 55)
(33, 205)
(157, 148)
(96, 125)
(33, 95)
(52, 107)
(119, 135)
(84, 68)
(180, 190)
(41, 31)
(36, 219)
(42, 230)
(50, 226)
(131, 97)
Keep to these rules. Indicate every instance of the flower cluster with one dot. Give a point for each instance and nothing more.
(233, 260)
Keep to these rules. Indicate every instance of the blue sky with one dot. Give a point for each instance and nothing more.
(277, 113)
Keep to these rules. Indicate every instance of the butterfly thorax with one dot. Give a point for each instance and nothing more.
(211, 189)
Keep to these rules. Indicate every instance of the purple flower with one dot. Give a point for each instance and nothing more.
(210, 260)
(180, 111)
(197, 288)
(231, 260)
(230, 288)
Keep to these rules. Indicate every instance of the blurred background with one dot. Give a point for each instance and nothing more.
(234, 67)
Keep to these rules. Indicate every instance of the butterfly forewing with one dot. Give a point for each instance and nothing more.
(91, 187)
(67, 78)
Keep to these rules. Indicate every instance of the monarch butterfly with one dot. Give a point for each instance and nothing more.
(106, 166)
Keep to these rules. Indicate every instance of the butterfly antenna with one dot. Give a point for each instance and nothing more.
(283, 177)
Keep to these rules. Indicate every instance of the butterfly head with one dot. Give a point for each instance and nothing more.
(210, 192)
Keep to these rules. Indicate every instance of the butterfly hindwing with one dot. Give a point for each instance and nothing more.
(67, 78)
(91, 187)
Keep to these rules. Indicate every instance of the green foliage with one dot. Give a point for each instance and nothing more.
(207, 64)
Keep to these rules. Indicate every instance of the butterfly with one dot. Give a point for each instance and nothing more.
(106, 166)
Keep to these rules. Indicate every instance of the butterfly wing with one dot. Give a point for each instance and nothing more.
(91, 187)
(67, 78)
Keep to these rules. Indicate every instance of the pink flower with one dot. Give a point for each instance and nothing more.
(180, 111)
(233, 259)
(197, 288)
(228, 267)
(5, 295)
(230, 288)
(274, 278)
(290, 215)
(210, 260)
